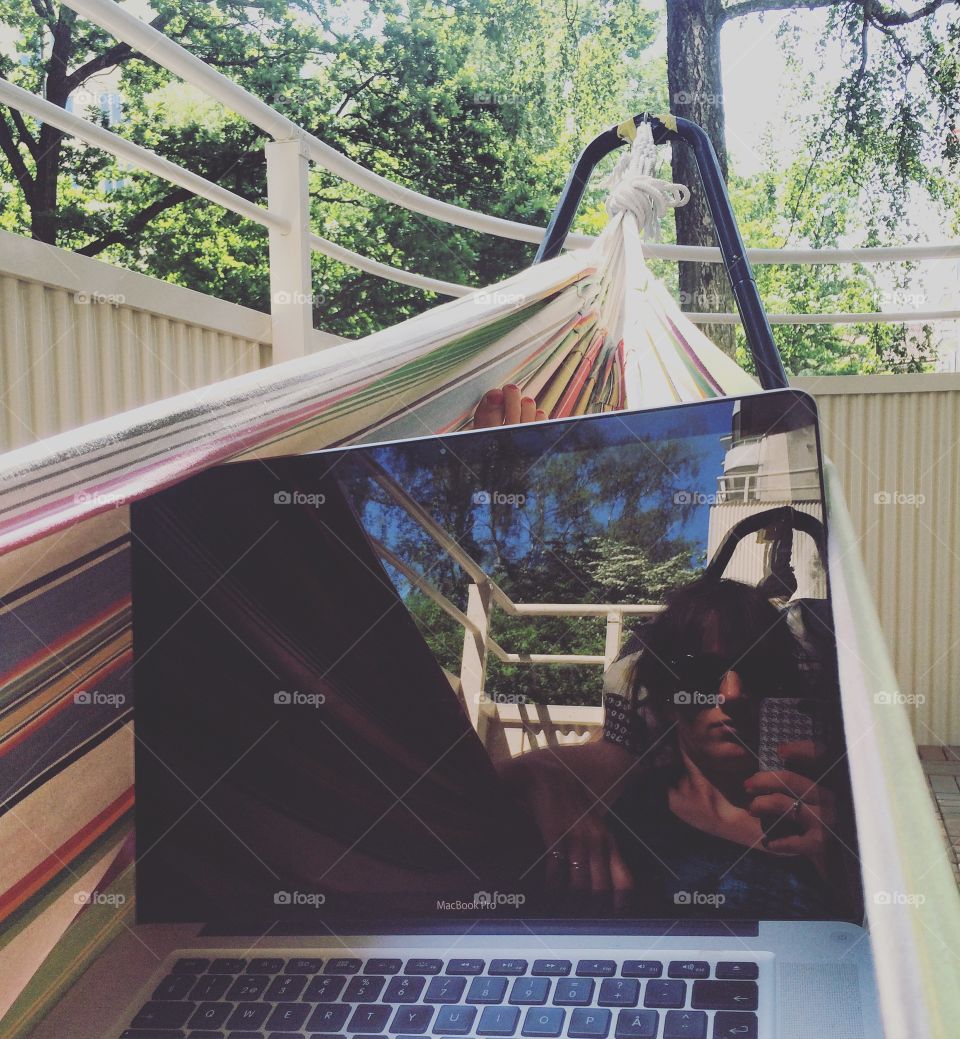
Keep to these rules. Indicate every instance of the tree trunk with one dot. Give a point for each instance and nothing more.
(43, 203)
(693, 77)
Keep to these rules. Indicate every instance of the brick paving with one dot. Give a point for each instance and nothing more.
(942, 768)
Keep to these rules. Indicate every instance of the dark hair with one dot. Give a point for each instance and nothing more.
(745, 625)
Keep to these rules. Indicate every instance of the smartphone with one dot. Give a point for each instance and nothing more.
(785, 720)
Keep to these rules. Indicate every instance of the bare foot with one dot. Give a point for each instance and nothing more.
(505, 407)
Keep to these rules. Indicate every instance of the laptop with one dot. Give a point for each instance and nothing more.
(378, 689)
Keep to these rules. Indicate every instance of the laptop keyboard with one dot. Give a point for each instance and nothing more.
(384, 998)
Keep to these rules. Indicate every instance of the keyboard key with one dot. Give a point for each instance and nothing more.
(508, 967)
(190, 966)
(328, 1017)
(412, 1020)
(596, 969)
(454, 1020)
(286, 988)
(641, 969)
(530, 990)
(688, 969)
(364, 988)
(466, 967)
(725, 995)
(619, 992)
(249, 1016)
(498, 1021)
(267, 965)
(163, 1015)
(422, 966)
(369, 1018)
(288, 1016)
(174, 986)
(211, 1015)
(325, 988)
(487, 990)
(444, 989)
(403, 989)
(637, 1024)
(735, 970)
(227, 966)
(342, 965)
(303, 965)
(248, 986)
(543, 1022)
(551, 968)
(573, 992)
(666, 994)
(588, 1023)
(382, 966)
(211, 987)
(685, 1024)
(730, 1025)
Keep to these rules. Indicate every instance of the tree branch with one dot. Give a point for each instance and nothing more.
(9, 147)
(881, 15)
(114, 55)
(137, 224)
(759, 6)
(28, 139)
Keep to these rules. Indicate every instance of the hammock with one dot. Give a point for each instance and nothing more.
(588, 331)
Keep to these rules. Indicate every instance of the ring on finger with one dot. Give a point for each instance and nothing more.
(797, 808)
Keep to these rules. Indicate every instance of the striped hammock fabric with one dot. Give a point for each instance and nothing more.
(590, 331)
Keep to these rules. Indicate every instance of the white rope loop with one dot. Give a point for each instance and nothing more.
(633, 188)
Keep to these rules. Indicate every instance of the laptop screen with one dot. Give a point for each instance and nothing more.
(577, 669)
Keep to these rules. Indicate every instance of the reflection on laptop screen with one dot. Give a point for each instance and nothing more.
(571, 669)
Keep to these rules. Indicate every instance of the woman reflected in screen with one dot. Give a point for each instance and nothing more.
(668, 814)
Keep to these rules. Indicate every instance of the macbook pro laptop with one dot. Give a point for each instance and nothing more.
(375, 687)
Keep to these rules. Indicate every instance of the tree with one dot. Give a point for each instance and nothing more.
(877, 114)
(480, 102)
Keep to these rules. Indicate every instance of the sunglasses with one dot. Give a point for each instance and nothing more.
(703, 673)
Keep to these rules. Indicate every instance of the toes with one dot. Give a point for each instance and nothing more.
(511, 404)
(490, 410)
(528, 409)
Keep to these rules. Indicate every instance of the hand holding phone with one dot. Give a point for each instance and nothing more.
(785, 721)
